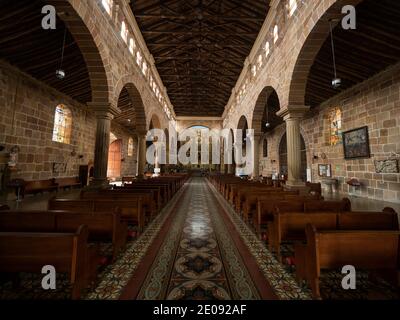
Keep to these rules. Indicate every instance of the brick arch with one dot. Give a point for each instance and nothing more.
(82, 28)
(258, 112)
(315, 36)
(129, 83)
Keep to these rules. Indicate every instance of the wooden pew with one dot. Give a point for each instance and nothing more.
(103, 226)
(291, 226)
(67, 252)
(38, 186)
(335, 249)
(65, 183)
(131, 210)
(4, 207)
(161, 189)
(248, 203)
(149, 198)
(266, 207)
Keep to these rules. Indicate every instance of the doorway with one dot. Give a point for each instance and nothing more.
(114, 160)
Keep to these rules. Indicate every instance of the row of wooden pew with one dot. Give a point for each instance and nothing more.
(68, 234)
(325, 234)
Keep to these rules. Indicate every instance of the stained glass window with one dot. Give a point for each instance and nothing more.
(335, 127)
(62, 125)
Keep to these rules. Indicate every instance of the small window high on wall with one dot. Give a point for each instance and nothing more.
(130, 147)
(62, 125)
(292, 7)
(124, 31)
(335, 126)
(107, 4)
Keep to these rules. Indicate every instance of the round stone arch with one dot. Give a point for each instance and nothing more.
(82, 28)
(314, 37)
(129, 84)
(259, 108)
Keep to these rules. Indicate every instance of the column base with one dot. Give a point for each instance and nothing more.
(98, 184)
(297, 185)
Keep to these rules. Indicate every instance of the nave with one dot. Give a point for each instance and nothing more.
(199, 248)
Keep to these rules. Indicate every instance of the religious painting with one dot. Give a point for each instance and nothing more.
(324, 170)
(387, 166)
(335, 127)
(59, 167)
(356, 143)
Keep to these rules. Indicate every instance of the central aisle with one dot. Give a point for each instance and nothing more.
(198, 259)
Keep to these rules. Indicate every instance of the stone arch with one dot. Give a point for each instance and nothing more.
(259, 109)
(83, 30)
(136, 99)
(155, 122)
(314, 39)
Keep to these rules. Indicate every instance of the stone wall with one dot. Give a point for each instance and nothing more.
(27, 109)
(374, 103)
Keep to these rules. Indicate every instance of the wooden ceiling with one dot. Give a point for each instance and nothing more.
(360, 53)
(24, 44)
(199, 47)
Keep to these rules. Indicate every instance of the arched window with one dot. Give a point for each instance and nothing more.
(132, 46)
(267, 49)
(254, 70)
(292, 7)
(107, 4)
(276, 33)
(335, 126)
(259, 62)
(144, 67)
(130, 147)
(124, 31)
(139, 58)
(62, 125)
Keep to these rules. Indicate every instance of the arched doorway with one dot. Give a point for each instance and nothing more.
(283, 161)
(114, 160)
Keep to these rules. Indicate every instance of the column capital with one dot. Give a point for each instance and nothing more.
(292, 112)
(141, 134)
(103, 110)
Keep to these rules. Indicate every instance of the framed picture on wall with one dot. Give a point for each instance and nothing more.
(387, 166)
(324, 170)
(356, 143)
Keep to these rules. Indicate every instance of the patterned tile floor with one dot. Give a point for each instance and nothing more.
(198, 260)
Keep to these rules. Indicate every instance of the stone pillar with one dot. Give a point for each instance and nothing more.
(222, 155)
(256, 156)
(104, 114)
(292, 117)
(141, 154)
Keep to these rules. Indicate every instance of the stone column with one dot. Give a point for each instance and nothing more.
(222, 155)
(141, 154)
(104, 114)
(292, 117)
(256, 156)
